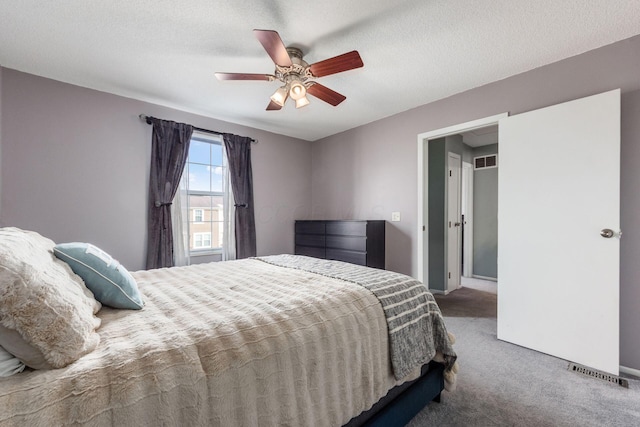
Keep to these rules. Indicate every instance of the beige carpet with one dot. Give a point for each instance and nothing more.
(502, 384)
(467, 302)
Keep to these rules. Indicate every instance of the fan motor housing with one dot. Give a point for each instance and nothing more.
(298, 70)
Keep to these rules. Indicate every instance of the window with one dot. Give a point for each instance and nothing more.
(206, 171)
(201, 240)
(198, 214)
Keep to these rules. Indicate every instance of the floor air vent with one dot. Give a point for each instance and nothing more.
(598, 374)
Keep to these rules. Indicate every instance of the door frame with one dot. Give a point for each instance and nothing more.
(423, 183)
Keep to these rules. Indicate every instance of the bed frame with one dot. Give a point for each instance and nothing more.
(403, 402)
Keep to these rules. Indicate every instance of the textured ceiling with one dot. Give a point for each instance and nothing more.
(479, 137)
(414, 51)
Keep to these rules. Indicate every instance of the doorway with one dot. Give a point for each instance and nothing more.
(469, 246)
(438, 256)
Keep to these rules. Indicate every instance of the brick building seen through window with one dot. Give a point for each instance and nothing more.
(206, 168)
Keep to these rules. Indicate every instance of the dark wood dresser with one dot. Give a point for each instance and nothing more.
(357, 242)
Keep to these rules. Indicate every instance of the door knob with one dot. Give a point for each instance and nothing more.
(607, 233)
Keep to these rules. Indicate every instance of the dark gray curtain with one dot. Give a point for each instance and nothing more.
(239, 156)
(170, 147)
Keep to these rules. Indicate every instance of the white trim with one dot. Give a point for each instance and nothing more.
(423, 219)
(630, 371)
(208, 137)
(468, 219)
(225, 230)
(477, 276)
(463, 127)
(206, 252)
(439, 292)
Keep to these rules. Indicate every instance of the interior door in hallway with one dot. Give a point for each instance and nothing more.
(454, 221)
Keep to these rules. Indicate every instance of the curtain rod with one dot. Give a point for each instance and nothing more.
(147, 119)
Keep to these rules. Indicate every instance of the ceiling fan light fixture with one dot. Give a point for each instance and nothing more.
(296, 74)
(302, 102)
(280, 95)
(297, 90)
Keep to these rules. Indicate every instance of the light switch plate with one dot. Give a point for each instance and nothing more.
(395, 216)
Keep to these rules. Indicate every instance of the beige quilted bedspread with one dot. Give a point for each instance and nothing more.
(241, 343)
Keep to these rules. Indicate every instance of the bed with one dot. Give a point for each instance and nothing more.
(280, 340)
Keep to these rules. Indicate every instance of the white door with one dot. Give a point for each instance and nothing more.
(453, 222)
(558, 187)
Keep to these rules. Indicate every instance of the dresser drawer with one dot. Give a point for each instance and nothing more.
(353, 257)
(347, 228)
(352, 243)
(310, 251)
(310, 227)
(310, 240)
(355, 241)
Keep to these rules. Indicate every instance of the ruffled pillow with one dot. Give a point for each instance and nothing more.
(43, 300)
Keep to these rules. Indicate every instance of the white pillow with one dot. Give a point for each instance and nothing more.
(9, 365)
(22, 350)
(43, 300)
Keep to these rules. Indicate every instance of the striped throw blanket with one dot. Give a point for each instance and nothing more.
(416, 327)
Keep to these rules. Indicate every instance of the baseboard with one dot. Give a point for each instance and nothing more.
(630, 371)
(438, 291)
(477, 276)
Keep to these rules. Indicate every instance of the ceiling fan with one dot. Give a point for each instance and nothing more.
(298, 76)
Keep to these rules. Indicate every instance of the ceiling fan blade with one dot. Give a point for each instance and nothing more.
(273, 106)
(244, 76)
(324, 93)
(337, 64)
(272, 43)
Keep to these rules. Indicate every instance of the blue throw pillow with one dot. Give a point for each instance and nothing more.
(109, 281)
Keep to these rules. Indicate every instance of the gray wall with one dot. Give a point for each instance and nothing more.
(0, 140)
(485, 213)
(370, 171)
(437, 192)
(455, 145)
(630, 244)
(467, 154)
(485, 216)
(75, 166)
(437, 172)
